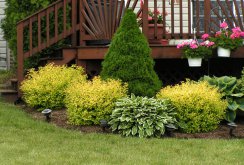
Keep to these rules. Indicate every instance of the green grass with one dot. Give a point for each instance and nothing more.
(26, 141)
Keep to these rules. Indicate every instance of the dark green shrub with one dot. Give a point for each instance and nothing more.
(46, 87)
(92, 101)
(230, 91)
(142, 116)
(198, 105)
(129, 59)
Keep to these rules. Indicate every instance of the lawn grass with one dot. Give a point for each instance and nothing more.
(26, 141)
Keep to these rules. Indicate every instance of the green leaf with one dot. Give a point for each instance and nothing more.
(230, 116)
(134, 130)
(233, 106)
(149, 131)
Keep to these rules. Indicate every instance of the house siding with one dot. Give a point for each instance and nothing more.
(4, 52)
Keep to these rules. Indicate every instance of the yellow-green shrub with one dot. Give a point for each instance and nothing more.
(90, 102)
(199, 107)
(45, 88)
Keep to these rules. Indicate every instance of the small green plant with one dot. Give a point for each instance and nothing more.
(228, 87)
(129, 59)
(142, 116)
(45, 88)
(198, 105)
(90, 102)
(5, 75)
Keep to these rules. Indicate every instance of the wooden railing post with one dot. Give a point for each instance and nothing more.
(207, 16)
(20, 55)
(145, 18)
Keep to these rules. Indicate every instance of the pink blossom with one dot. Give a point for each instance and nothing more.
(218, 34)
(223, 25)
(205, 36)
(157, 12)
(236, 30)
(149, 18)
(193, 46)
(207, 43)
(235, 35)
(242, 34)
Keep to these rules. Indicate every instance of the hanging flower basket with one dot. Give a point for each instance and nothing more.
(222, 52)
(195, 62)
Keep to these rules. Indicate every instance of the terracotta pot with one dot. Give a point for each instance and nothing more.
(160, 31)
(194, 62)
(222, 52)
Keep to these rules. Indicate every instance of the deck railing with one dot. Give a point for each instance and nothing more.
(98, 20)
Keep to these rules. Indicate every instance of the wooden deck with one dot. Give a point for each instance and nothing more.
(85, 20)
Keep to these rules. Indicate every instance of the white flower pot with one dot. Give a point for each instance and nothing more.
(194, 62)
(222, 52)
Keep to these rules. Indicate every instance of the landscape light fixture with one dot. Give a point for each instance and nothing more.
(170, 128)
(103, 124)
(47, 113)
(232, 127)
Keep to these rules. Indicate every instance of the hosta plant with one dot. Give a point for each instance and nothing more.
(228, 87)
(142, 116)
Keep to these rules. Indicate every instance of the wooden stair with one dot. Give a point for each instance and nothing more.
(8, 91)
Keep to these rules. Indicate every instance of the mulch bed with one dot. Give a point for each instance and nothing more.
(59, 118)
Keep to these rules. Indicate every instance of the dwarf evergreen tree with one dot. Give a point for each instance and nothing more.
(129, 59)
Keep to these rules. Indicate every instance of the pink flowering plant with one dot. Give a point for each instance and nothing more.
(159, 15)
(194, 49)
(228, 39)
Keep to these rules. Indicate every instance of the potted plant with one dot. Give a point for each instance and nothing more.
(226, 40)
(155, 16)
(195, 51)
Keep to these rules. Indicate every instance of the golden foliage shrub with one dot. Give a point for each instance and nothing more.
(90, 102)
(45, 88)
(199, 107)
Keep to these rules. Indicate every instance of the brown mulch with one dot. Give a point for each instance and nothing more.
(59, 118)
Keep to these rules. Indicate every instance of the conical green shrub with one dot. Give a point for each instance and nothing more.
(129, 59)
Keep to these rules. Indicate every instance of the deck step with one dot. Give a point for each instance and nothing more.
(7, 91)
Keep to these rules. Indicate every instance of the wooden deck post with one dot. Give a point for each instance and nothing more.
(207, 12)
(145, 18)
(20, 55)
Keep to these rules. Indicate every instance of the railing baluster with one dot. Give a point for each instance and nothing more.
(30, 37)
(56, 23)
(164, 18)
(207, 10)
(145, 18)
(64, 18)
(39, 39)
(47, 28)
(189, 18)
(181, 18)
(238, 14)
(172, 19)
(74, 21)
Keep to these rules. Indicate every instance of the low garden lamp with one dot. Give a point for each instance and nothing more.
(103, 124)
(170, 128)
(232, 126)
(47, 113)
